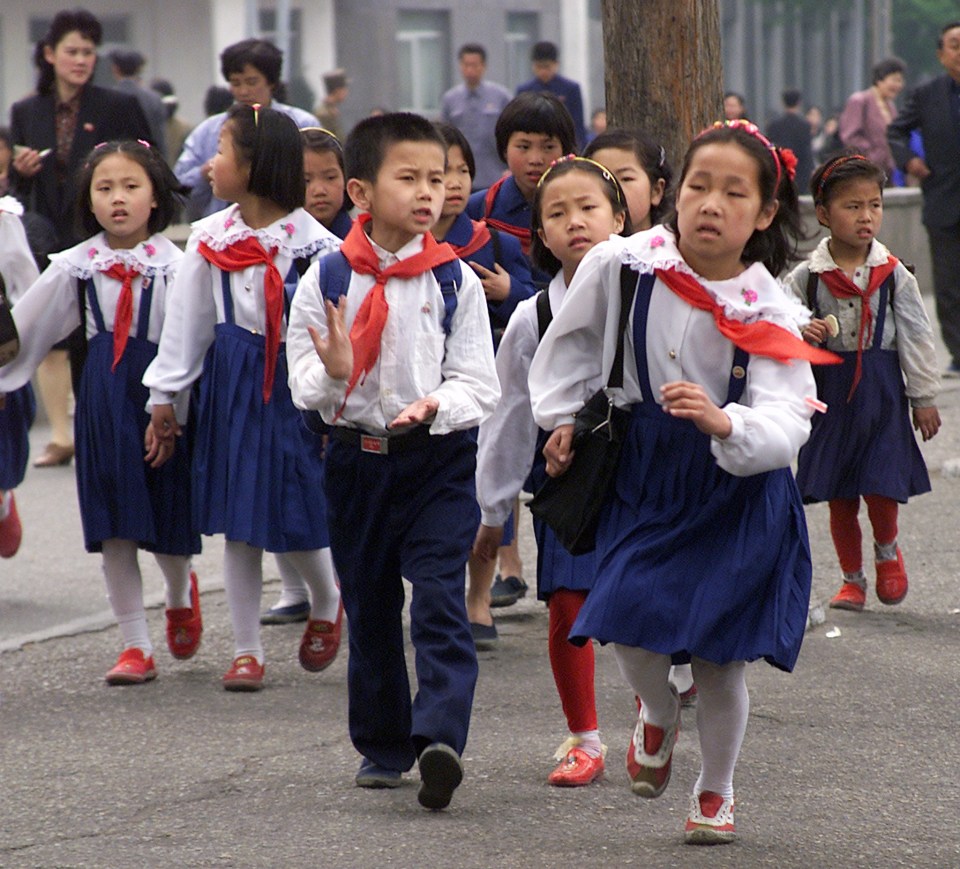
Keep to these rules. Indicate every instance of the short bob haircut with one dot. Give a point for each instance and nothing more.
(270, 142)
(887, 66)
(455, 139)
(68, 21)
(535, 112)
(846, 166)
(167, 190)
(366, 147)
(260, 54)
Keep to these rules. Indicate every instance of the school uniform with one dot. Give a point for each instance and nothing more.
(402, 505)
(702, 549)
(864, 444)
(19, 270)
(120, 495)
(510, 448)
(341, 223)
(256, 471)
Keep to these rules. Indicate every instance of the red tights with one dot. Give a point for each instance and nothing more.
(845, 527)
(572, 665)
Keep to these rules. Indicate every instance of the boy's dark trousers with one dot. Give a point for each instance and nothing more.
(412, 514)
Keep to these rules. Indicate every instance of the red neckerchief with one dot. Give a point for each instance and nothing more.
(518, 232)
(242, 255)
(841, 287)
(123, 316)
(481, 235)
(760, 338)
(371, 317)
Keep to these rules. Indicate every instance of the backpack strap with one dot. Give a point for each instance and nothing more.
(812, 280)
(497, 244)
(629, 281)
(334, 276)
(450, 277)
(544, 313)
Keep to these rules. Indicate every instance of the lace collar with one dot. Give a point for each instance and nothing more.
(155, 256)
(295, 235)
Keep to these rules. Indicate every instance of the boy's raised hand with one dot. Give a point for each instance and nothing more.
(336, 352)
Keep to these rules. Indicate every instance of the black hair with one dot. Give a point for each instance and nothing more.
(260, 54)
(541, 256)
(472, 48)
(366, 146)
(454, 138)
(67, 21)
(775, 246)
(167, 190)
(535, 112)
(944, 31)
(650, 155)
(128, 63)
(216, 100)
(791, 98)
(887, 66)
(544, 51)
(849, 165)
(270, 141)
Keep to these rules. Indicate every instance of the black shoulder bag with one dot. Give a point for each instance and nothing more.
(571, 503)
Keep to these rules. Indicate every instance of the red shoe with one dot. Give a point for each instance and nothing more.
(689, 697)
(245, 674)
(185, 625)
(320, 643)
(132, 668)
(650, 755)
(850, 597)
(577, 769)
(710, 821)
(11, 531)
(892, 580)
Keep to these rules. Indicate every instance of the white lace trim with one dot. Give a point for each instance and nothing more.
(226, 227)
(94, 255)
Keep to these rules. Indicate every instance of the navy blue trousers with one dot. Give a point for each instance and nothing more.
(412, 515)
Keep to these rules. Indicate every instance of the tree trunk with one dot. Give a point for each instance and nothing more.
(663, 68)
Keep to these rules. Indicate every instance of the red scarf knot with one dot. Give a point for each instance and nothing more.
(123, 316)
(481, 235)
(244, 254)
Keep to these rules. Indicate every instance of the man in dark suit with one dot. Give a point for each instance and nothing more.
(546, 77)
(792, 130)
(933, 109)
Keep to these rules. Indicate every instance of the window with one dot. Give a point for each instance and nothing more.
(423, 60)
(523, 30)
(297, 91)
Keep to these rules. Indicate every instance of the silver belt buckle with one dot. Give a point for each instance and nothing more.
(370, 444)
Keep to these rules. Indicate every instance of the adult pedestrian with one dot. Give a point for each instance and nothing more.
(545, 60)
(867, 113)
(337, 86)
(932, 110)
(473, 108)
(53, 131)
(126, 67)
(791, 130)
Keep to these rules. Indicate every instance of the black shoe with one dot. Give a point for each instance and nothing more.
(506, 592)
(484, 636)
(372, 775)
(284, 615)
(440, 773)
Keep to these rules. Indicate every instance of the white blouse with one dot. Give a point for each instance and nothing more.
(17, 264)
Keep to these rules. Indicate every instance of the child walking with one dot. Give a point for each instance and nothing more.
(116, 285)
(257, 473)
(578, 203)
(402, 391)
(867, 308)
(702, 549)
(18, 270)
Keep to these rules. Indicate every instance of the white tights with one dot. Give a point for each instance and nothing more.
(121, 572)
(723, 706)
(243, 581)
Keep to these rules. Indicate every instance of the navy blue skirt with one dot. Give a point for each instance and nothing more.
(865, 446)
(693, 561)
(15, 421)
(121, 496)
(258, 471)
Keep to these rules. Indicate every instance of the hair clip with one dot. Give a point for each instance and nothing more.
(325, 132)
(663, 158)
(99, 145)
(256, 113)
(570, 158)
(751, 129)
(837, 161)
(144, 143)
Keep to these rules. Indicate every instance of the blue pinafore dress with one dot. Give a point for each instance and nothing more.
(864, 446)
(258, 472)
(692, 560)
(120, 495)
(16, 418)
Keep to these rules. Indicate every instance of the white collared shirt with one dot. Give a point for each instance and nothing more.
(17, 264)
(417, 358)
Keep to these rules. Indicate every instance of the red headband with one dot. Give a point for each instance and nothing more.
(838, 161)
(784, 160)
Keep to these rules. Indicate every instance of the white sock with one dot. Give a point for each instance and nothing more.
(885, 551)
(315, 567)
(681, 677)
(176, 574)
(723, 706)
(857, 578)
(5, 498)
(121, 572)
(646, 672)
(590, 742)
(243, 583)
(293, 589)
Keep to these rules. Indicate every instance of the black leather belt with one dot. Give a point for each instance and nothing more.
(415, 439)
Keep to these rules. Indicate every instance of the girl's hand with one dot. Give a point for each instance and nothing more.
(159, 438)
(27, 161)
(926, 420)
(689, 401)
(336, 353)
(496, 284)
(487, 542)
(557, 450)
(815, 332)
(413, 414)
